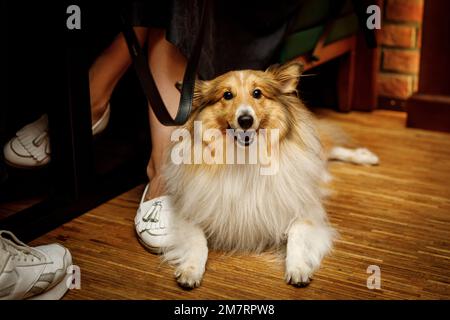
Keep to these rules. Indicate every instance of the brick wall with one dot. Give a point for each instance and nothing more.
(400, 43)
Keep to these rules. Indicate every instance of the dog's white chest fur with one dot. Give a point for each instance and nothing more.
(240, 209)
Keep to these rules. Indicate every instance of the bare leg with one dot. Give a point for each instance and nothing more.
(168, 65)
(107, 70)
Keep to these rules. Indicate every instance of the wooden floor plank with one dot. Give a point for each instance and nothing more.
(395, 215)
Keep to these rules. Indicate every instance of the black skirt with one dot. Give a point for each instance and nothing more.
(241, 34)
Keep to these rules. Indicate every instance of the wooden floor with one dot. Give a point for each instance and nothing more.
(395, 216)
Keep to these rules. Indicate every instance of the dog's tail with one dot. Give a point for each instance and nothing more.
(340, 146)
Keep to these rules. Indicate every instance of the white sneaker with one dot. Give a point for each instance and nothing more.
(32, 273)
(30, 148)
(153, 221)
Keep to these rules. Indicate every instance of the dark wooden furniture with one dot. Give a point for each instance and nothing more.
(358, 63)
(429, 108)
(357, 75)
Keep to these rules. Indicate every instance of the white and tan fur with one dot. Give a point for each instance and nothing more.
(232, 207)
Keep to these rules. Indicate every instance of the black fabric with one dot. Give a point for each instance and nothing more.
(147, 13)
(242, 34)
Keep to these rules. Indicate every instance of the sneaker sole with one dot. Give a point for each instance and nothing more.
(18, 166)
(151, 249)
(55, 293)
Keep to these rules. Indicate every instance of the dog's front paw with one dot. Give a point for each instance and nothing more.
(189, 275)
(299, 275)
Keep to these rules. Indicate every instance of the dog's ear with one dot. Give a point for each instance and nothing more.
(287, 75)
(198, 92)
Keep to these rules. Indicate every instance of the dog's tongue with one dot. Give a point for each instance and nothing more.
(245, 138)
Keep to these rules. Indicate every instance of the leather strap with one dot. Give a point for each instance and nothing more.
(147, 82)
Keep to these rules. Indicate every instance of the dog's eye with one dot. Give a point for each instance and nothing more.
(256, 93)
(227, 95)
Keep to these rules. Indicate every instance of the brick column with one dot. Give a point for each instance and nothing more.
(400, 59)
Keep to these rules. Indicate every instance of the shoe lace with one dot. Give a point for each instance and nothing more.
(43, 136)
(18, 250)
(153, 215)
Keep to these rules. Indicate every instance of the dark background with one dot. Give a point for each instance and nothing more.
(47, 72)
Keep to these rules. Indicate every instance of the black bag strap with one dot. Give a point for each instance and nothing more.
(147, 82)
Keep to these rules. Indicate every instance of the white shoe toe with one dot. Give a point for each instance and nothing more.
(153, 221)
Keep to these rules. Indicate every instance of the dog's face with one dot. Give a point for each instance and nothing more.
(248, 100)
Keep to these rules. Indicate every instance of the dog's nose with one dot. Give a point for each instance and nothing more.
(245, 121)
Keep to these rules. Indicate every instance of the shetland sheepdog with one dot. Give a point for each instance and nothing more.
(235, 206)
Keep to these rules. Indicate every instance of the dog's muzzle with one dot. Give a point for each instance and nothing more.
(244, 138)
